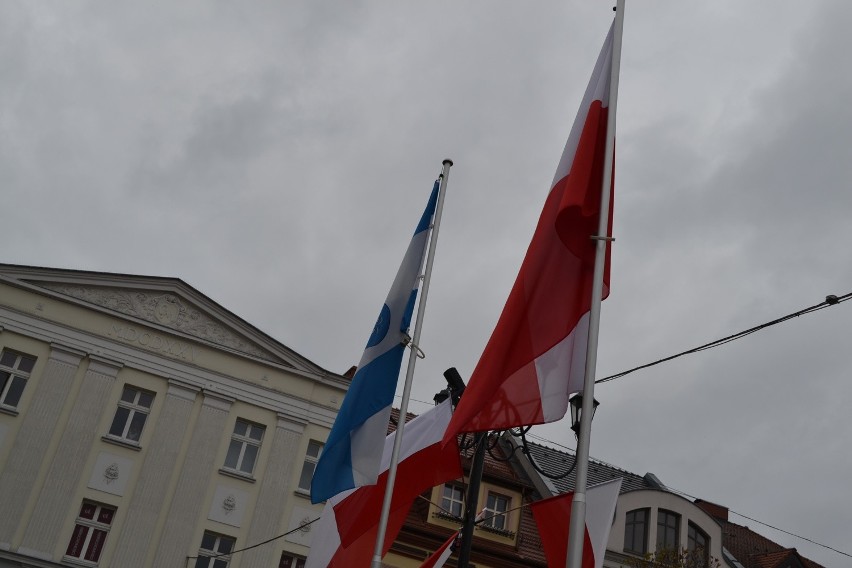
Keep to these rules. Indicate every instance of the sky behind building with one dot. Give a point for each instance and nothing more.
(274, 155)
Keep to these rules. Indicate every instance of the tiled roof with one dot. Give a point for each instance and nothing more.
(755, 551)
(554, 461)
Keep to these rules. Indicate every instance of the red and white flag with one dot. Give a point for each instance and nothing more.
(440, 556)
(552, 516)
(536, 356)
(345, 535)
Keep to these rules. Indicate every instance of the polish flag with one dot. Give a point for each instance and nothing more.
(553, 519)
(536, 356)
(346, 532)
(440, 556)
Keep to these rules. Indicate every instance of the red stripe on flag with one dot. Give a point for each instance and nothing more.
(426, 468)
(440, 556)
(552, 518)
(551, 294)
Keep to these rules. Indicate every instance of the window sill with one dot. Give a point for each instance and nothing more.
(78, 561)
(446, 516)
(237, 474)
(500, 532)
(121, 442)
(8, 410)
(304, 493)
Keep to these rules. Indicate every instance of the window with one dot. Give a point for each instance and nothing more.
(130, 416)
(311, 458)
(636, 531)
(495, 511)
(698, 544)
(291, 561)
(15, 369)
(452, 500)
(668, 530)
(90, 532)
(245, 443)
(212, 546)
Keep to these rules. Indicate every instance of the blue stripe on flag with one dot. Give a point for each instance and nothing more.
(371, 392)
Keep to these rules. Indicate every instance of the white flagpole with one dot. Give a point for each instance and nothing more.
(412, 360)
(577, 526)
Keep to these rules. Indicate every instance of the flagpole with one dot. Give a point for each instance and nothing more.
(577, 524)
(412, 360)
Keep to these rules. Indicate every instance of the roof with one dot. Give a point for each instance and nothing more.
(750, 549)
(556, 462)
(756, 551)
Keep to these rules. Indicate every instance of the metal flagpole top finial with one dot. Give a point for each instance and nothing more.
(447, 161)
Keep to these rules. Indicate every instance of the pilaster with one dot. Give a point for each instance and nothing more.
(19, 476)
(70, 457)
(198, 467)
(150, 496)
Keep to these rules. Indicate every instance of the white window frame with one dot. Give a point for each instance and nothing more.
(245, 440)
(134, 408)
(449, 501)
(310, 463)
(91, 525)
(296, 561)
(15, 372)
(493, 515)
(212, 557)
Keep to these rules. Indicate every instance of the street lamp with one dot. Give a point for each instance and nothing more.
(576, 403)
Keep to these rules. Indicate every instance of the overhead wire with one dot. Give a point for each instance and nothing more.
(830, 300)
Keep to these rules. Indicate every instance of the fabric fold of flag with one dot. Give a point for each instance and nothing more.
(440, 556)
(552, 516)
(351, 455)
(536, 355)
(346, 533)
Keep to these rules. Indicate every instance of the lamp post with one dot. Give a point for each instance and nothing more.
(576, 404)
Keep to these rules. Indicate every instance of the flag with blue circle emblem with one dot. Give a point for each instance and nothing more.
(352, 454)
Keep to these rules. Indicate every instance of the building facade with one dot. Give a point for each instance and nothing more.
(142, 424)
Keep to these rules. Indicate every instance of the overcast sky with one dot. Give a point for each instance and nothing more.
(277, 155)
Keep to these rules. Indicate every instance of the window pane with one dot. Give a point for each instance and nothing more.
(26, 364)
(117, 428)
(128, 394)
(219, 563)
(87, 511)
(136, 425)
(307, 474)
(226, 545)
(4, 376)
(105, 516)
(314, 449)
(145, 399)
(93, 552)
(249, 456)
(208, 541)
(202, 562)
(233, 454)
(240, 428)
(13, 397)
(75, 547)
(7, 359)
(255, 432)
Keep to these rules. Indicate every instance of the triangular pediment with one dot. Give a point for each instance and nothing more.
(167, 303)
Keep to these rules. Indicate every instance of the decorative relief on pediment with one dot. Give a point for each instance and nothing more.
(162, 308)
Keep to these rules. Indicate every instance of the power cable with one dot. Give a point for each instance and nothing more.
(830, 300)
(693, 497)
(300, 527)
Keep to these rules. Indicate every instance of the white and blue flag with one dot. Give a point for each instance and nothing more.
(352, 454)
